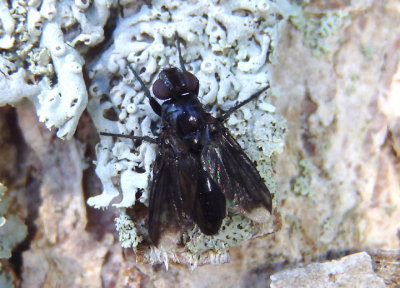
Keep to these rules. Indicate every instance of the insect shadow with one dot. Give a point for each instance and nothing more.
(199, 165)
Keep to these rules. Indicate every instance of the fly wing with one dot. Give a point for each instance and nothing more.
(172, 193)
(236, 175)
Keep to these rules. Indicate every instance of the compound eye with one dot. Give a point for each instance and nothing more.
(192, 83)
(160, 90)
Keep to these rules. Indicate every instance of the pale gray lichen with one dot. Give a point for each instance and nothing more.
(40, 62)
(12, 229)
(227, 45)
(36, 34)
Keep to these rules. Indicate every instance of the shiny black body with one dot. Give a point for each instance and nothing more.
(199, 165)
(193, 194)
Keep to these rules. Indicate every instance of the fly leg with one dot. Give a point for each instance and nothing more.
(143, 138)
(237, 106)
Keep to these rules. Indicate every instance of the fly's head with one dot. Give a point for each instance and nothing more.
(173, 84)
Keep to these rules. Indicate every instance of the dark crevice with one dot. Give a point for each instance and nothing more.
(110, 114)
(94, 52)
(32, 195)
(22, 181)
(259, 276)
(308, 107)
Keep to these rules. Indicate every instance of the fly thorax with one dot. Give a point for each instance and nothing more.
(190, 128)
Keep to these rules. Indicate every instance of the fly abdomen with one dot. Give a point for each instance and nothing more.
(210, 205)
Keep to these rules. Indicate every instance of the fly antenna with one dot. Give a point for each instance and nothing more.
(178, 45)
(153, 103)
(137, 76)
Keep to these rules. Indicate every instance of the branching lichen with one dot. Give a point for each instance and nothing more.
(46, 63)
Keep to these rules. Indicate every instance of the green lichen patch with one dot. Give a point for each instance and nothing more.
(7, 279)
(317, 28)
(302, 183)
(127, 232)
(234, 229)
(12, 230)
(368, 50)
(40, 62)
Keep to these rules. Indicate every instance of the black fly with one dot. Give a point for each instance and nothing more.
(199, 164)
